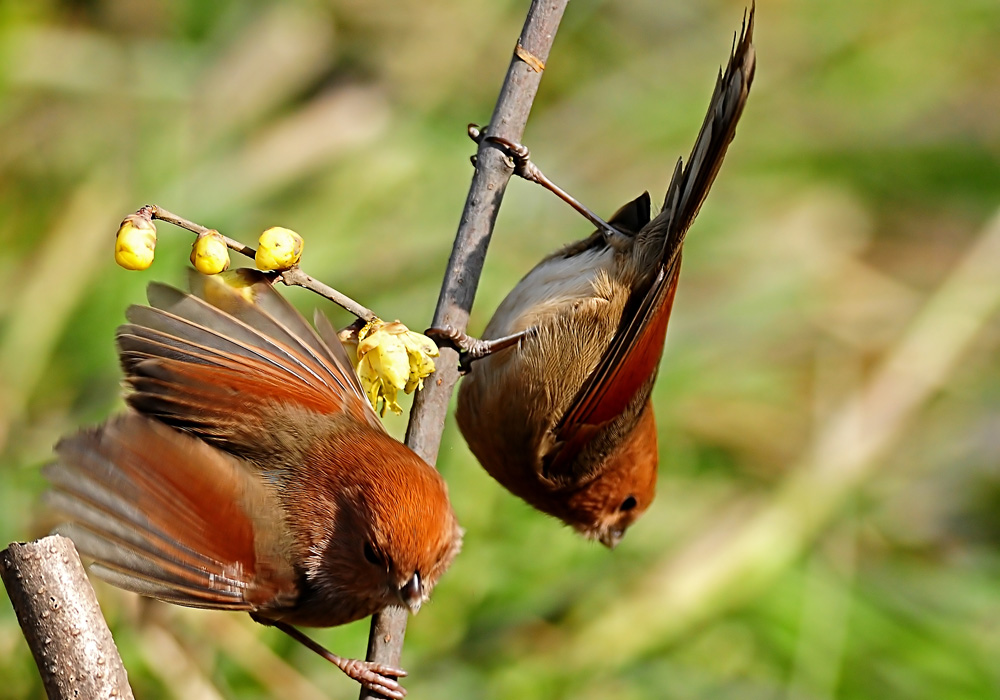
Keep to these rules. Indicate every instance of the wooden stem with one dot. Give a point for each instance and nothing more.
(62, 623)
(461, 278)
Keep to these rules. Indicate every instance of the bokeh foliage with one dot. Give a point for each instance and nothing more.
(776, 562)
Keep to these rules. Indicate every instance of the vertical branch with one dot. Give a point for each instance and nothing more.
(62, 623)
(461, 278)
(481, 206)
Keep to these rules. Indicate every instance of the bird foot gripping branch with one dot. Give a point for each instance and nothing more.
(471, 349)
(375, 676)
(519, 159)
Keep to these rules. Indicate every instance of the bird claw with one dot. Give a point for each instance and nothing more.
(463, 344)
(518, 158)
(376, 677)
(448, 337)
(471, 349)
(370, 674)
(517, 155)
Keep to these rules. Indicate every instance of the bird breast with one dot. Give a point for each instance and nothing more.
(510, 401)
(554, 283)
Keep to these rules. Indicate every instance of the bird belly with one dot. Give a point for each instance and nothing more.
(510, 401)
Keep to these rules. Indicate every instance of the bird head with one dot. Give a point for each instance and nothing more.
(605, 507)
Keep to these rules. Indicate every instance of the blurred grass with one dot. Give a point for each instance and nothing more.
(865, 170)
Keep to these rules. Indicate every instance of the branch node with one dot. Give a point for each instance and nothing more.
(534, 62)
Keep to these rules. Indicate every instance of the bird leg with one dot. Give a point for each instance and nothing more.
(371, 675)
(519, 158)
(471, 349)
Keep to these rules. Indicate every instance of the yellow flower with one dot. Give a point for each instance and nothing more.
(389, 358)
(135, 242)
(278, 249)
(209, 254)
(419, 350)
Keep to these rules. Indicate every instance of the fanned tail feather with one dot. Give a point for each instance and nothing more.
(170, 517)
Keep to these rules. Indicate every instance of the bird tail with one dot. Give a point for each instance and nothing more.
(690, 183)
(167, 516)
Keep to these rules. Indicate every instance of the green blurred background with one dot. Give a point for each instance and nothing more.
(829, 403)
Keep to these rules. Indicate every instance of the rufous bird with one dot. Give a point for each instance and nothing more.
(251, 473)
(556, 403)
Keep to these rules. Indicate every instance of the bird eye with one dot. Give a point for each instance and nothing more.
(371, 555)
(628, 504)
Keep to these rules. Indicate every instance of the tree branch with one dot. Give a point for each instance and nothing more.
(62, 623)
(465, 266)
(293, 276)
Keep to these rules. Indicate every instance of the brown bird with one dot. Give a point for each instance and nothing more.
(252, 474)
(563, 420)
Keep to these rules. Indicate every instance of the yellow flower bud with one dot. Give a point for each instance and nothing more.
(278, 249)
(135, 243)
(209, 254)
(389, 358)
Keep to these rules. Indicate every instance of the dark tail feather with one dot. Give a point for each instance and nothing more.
(691, 183)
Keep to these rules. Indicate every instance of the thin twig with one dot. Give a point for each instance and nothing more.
(385, 643)
(61, 620)
(293, 277)
(296, 277)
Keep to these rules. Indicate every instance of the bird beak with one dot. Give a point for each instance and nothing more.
(610, 538)
(411, 593)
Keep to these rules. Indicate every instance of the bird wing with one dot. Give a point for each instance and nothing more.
(203, 363)
(632, 358)
(168, 516)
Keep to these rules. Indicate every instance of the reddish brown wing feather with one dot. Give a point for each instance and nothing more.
(619, 381)
(168, 516)
(206, 368)
(634, 353)
(271, 314)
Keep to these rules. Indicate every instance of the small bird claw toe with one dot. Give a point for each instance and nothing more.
(447, 337)
(471, 349)
(377, 677)
(464, 345)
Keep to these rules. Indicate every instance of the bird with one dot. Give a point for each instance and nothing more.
(555, 402)
(250, 473)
